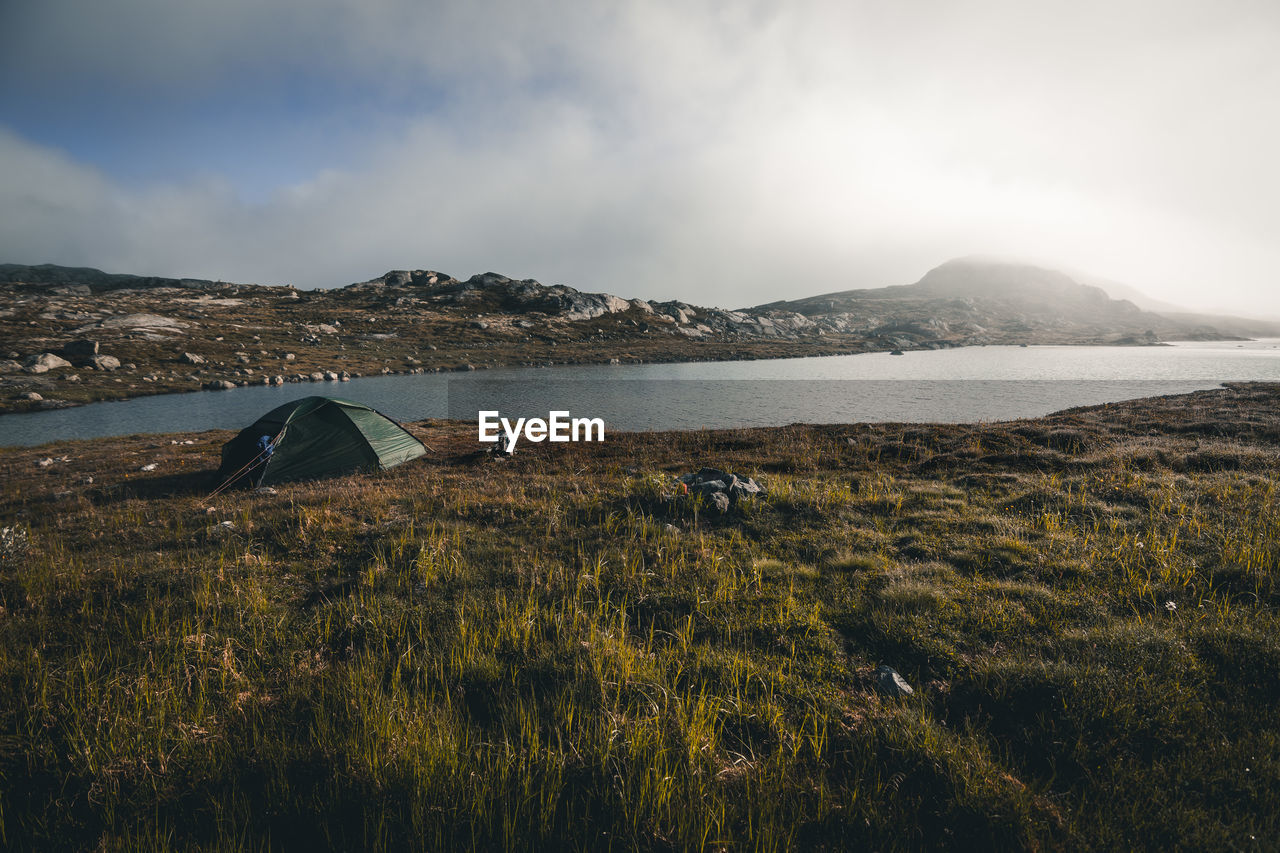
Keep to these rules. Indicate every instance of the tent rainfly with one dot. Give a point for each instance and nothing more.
(312, 438)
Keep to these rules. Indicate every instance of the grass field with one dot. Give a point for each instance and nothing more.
(556, 652)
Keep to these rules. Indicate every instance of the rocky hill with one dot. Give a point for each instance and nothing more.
(978, 300)
(71, 335)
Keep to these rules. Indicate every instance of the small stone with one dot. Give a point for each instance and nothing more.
(32, 396)
(720, 501)
(890, 683)
(106, 362)
(192, 358)
(148, 467)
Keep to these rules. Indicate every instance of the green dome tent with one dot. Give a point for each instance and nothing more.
(312, 438)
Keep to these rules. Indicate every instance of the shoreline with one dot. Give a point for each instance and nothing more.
(761, 353)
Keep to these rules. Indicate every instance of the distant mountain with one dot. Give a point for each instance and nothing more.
(983, 300)
(1118, 290)
(53, 275)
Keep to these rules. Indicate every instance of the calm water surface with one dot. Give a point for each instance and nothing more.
(958, 385)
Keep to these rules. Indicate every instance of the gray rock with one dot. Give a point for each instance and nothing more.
(105, 362)
(143, 321)
(720, 501)
(890, 683)
(330, 376)
(317, 376)
(8, 365)
(31, 395)
(44, 362)
(192, 358)
(219, 385)
(739, 488)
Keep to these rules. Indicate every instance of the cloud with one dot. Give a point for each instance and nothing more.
(722, 153)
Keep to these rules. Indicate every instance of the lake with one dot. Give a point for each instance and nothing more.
(957, 385)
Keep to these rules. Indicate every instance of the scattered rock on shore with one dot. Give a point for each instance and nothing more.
(44, 362)
(105, 362)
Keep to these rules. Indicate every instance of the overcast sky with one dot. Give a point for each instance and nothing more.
(723, 153)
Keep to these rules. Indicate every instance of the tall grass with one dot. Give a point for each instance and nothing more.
(553, 653)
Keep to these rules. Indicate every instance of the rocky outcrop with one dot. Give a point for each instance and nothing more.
(495, 293)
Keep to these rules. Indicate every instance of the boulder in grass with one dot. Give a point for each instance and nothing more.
(80, 352)
(712, 481)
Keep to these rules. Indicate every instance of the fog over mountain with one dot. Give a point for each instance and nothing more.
(726, 154)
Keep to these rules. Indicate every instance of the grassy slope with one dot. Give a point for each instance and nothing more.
(460, 653)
